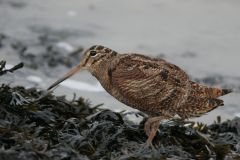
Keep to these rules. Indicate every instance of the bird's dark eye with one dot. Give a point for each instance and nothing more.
(93, 53)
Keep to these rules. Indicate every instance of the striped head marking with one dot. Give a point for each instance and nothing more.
(91, 58)
(95, 55)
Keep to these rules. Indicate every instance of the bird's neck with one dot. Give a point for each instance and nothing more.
(103, 71)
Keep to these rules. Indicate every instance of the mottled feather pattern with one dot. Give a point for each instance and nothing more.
(147, 84)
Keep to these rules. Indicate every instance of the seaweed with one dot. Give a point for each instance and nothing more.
(35, 124)
(4, 71)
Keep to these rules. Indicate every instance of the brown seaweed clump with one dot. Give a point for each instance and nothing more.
(35, 124)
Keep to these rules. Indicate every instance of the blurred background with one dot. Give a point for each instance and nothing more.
(49, 36)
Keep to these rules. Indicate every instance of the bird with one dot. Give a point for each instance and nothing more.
(154, 86)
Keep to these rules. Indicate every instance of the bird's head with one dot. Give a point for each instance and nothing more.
(92, 58)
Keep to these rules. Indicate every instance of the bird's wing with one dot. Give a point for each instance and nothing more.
(145, 85)
(154, 85)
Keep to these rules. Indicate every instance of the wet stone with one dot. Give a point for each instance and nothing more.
(46, 51)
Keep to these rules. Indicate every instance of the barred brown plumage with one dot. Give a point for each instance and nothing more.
(152, 85)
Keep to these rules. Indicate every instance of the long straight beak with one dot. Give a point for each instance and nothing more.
(66, 76)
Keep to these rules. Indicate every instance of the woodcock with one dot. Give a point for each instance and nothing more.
(152, 85)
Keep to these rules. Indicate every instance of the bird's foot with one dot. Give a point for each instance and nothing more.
(147, 143)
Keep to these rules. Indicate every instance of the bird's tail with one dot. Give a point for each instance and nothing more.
(208, 92)
(226, 91)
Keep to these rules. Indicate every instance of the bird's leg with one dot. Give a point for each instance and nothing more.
(154, 124)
